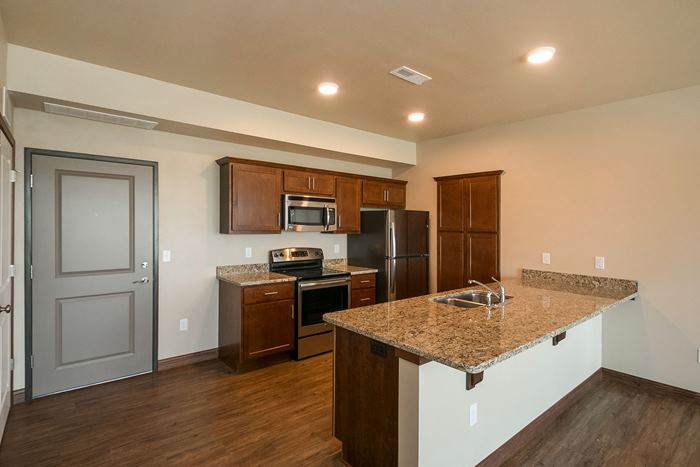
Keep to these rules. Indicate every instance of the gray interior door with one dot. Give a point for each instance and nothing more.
(92, 272)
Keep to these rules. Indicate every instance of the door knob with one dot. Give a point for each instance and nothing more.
(143, 280)
(6, 309)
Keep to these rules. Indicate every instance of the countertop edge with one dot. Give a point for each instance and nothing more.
(489, 363)
(250, 283)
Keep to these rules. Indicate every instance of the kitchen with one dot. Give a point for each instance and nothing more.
(584, 148)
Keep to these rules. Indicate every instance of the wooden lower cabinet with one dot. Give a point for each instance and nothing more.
(255, 323)
(364, 290)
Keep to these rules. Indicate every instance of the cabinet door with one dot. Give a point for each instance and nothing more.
(255, 198)
(268, 328)
(482, 263)
(483, 204)
(348, 196)
(303, 182)
(395, 195)
(373, 193)
(322, 184)
(450, 260)
(450, 205)
(297, 182)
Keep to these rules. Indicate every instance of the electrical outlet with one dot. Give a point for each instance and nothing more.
(184, 325)
(167, 256)
(336, 248)
(600, 262)
(546, 258)
(248, 252)
(473, 414)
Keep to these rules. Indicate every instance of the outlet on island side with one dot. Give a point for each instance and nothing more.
(336, 248)
(473, 414)
(248, 252)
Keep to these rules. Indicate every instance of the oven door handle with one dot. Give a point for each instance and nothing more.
(306, 285)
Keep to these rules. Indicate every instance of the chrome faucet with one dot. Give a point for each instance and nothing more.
(501, 294)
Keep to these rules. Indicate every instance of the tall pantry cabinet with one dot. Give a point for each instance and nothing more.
(468, 228)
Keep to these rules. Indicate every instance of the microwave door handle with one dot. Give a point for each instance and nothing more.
(327, 217)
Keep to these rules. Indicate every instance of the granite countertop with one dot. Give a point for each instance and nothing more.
(244, 279)
(353, 270)
(473, 339)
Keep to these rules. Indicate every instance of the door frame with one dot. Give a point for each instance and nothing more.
(29, 153)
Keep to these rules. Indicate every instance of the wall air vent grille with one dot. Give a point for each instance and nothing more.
(410, 75)
(103, 117)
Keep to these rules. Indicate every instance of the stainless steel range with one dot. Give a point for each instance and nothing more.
(319, 291)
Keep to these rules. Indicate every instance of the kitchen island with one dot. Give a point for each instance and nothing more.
(423, 383)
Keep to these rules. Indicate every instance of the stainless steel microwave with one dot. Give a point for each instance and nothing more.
(309, 213)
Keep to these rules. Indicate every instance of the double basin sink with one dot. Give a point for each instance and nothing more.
(471, 299)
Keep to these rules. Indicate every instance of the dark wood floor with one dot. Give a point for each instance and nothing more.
(196, 415)
(618, 424)
(281, 416)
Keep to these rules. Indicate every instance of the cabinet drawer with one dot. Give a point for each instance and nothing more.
(363, 281)
(363, 297)
(268, 293)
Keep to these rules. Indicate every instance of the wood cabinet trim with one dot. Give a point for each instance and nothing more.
(234, 160)
(469, 175)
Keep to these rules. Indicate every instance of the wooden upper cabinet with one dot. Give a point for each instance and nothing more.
(483, 201)
(383, 194)
(250, 198)
(348, 196)
(451, 205)
(303, 182)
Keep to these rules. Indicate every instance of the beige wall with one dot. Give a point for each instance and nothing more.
(188, 209)
(620, 181)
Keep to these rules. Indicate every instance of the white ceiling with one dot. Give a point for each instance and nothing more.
(275, 52)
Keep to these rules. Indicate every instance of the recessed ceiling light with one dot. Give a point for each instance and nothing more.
(416, 116)
(328, 89)
(541, 55)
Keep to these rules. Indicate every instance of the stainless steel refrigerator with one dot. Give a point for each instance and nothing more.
(395, 242)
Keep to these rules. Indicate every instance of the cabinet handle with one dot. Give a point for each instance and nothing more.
(313, 183)
(291, 311)
(364, 299)
(279, 219)
(339, 219)
(308, 182)
(271, 293)
(364, 282)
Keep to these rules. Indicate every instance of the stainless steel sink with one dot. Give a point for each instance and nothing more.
(471, 299)
(457, 302)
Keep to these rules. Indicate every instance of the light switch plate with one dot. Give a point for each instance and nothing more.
(248, 252)
(546, 258)
(167, 256)
(184, 324)
(600, 262)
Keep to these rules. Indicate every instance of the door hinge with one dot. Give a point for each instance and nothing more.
(12, 270)
(31, 271)
(31, 181)
(31, 361)
(13, 176)
(12, 364)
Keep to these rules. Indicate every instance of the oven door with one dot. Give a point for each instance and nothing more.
(316, 298)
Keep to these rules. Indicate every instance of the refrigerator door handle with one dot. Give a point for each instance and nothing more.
(392, 234)
(391, 279)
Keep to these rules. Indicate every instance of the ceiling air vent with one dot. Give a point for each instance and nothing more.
(103, 117)
(410, 75)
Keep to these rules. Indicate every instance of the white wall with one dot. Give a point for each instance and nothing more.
(188, 209)
(512, 394)
(618, 180)
(42, 74)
